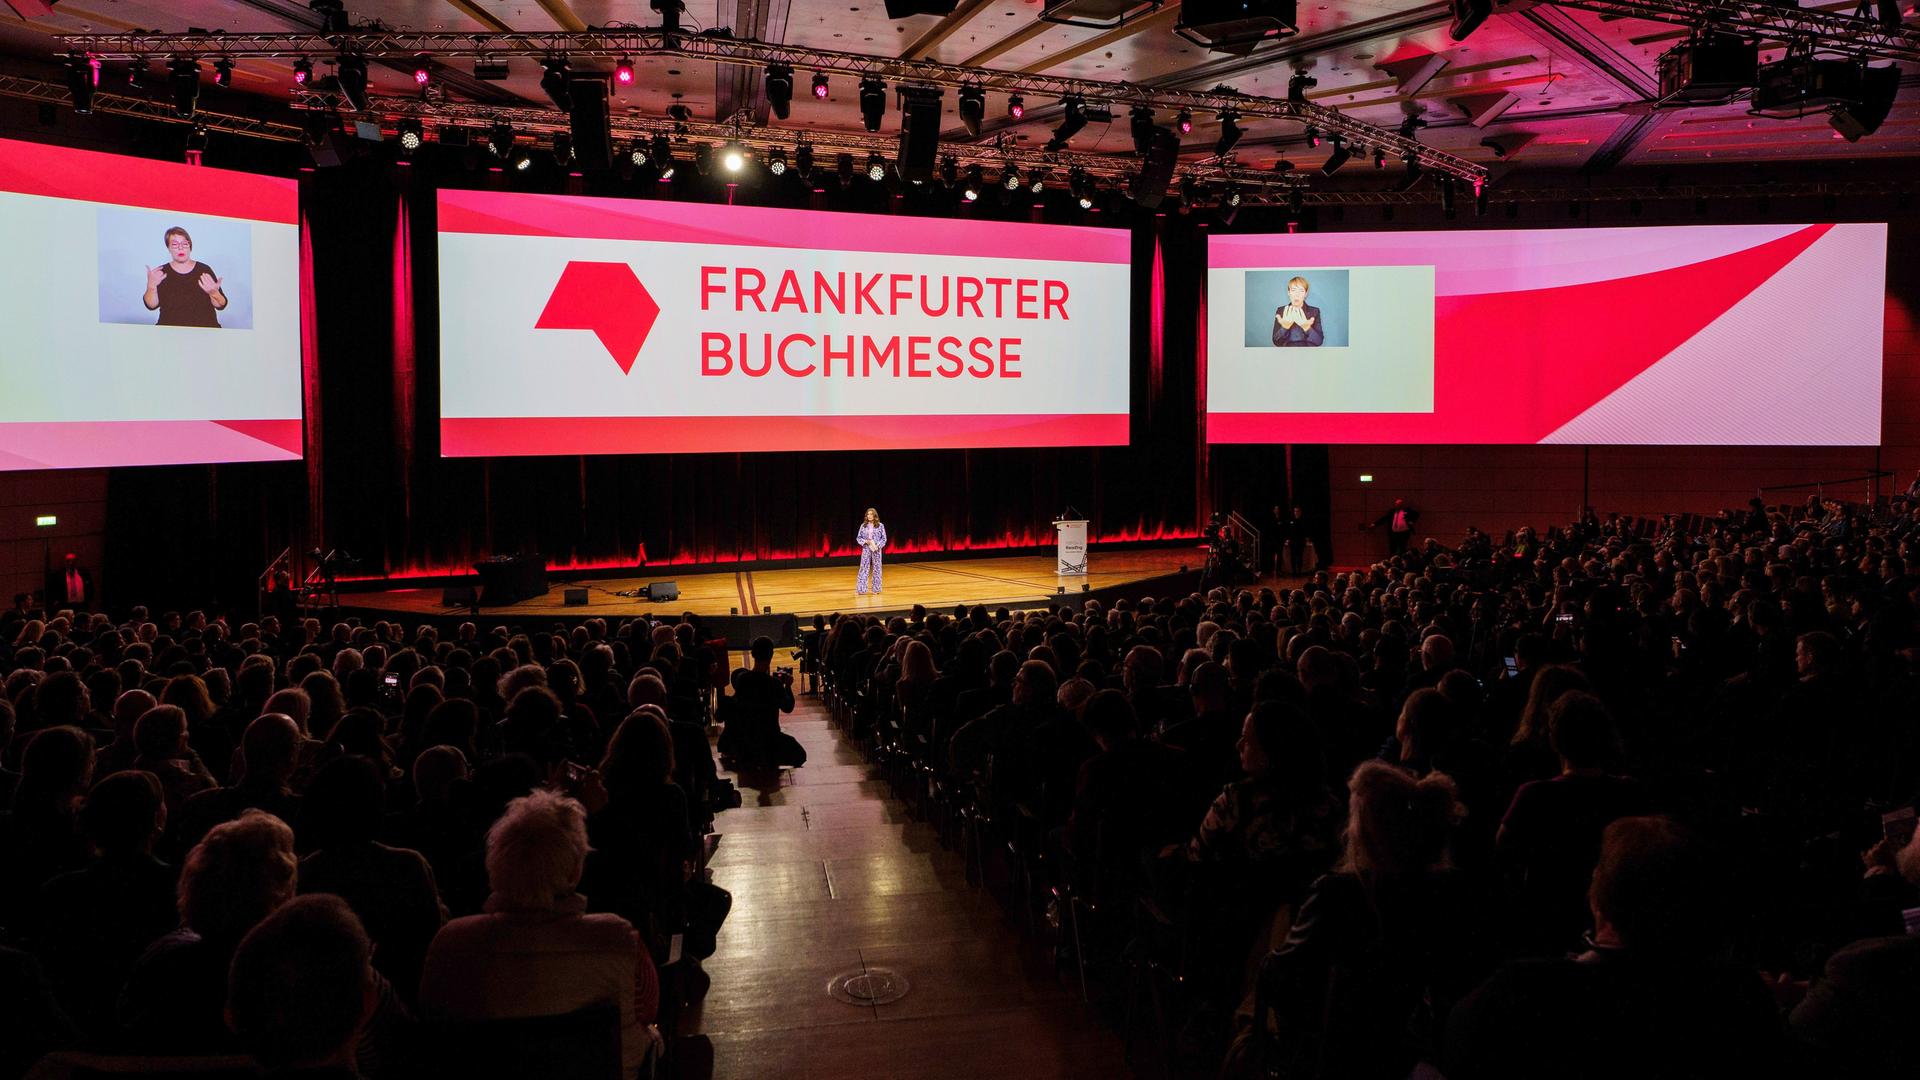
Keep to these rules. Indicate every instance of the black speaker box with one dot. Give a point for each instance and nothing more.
(919, 131)
(1156, 171)
(573, 597)
(660, 591)
(591, 122)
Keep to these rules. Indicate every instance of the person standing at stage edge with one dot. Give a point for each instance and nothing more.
(1398, 521)
(873, 538)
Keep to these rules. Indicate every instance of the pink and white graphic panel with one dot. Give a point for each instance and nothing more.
(598, 326)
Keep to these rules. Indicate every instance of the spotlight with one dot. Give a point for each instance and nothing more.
(351, 77)
(1298, 86)
(1480, 200)
(949, 170)
(662, 155)
(679, 113)
(562, 149)
(1184, 122)
(1081, 187)
(83, 77)
(638, 154)
(422, 71)
(1036, 180)
(1230, 133)
(1313, 136)
(1070, 124)
(1296, 203)
(1413, 173)
(500, 141)
(1446, 197)
(780, 89)
(1016, 106)
(302, 71)
(820, 85)
(412, 135)
(137, 73)
(1010, 176)
(1410, 127)
(1467, 17)
(876, 167)
(623, 71)
(777, 161)
(733, 158)
(873, 102)
(1379, 159)
(522, 161)
(703, 158)
(1233, 195)
(196, 144)
(973, 108)
(974, 182)
(223, 73)
(803, 161)
(554, 82)
(183, 77)
(1340, 156)
(1140, 125)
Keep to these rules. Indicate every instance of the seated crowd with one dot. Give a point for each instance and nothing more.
(1632, 799)
(325, 849)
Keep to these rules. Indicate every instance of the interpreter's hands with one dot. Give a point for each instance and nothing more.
(209, 284)
(156, 275)
(1306, 323)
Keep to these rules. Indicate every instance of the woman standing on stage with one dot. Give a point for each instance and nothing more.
(872, 537)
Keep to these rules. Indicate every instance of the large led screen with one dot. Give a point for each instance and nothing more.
(149, 312)
(1699, 335)
(576, 325)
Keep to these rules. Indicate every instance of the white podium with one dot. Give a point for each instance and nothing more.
(1073, 547)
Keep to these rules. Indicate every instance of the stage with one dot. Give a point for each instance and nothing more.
(1012, 581)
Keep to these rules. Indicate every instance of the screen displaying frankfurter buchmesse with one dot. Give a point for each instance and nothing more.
(1686, 335)
(150, 314)
(575, 325)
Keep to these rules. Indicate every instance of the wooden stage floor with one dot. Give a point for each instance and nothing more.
(1012, 580)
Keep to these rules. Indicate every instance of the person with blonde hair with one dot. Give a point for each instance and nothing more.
(1297, 323)
(534, 950)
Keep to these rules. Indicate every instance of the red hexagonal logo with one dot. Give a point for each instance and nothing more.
(608, 299)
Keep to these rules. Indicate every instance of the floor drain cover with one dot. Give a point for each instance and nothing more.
(874, 986)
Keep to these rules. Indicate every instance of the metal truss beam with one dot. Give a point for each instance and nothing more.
(720, 48)
(1830, 30)
(18, 86)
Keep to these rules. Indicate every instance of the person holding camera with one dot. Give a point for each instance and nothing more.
(752, 737)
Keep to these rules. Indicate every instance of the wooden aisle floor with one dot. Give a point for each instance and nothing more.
(831, 877)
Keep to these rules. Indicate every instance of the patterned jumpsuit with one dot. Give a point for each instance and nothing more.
(870, 557)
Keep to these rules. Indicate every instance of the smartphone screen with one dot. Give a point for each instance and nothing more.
(393, 680)
(1513, 669)
(1565, 617)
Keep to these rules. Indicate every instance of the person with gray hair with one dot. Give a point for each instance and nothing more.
(533, 950)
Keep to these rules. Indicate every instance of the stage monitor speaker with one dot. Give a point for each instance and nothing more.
(660, 591)
(1156, 172)
(573, 597)
(458, 596)
(919, 131)
(591, 122)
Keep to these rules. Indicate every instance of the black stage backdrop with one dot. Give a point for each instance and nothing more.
(375, 485)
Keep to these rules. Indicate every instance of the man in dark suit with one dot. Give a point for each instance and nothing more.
(69, 585)
(1297, 323)
(1398, 521)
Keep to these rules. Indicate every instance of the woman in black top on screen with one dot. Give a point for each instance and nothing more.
(185, 292)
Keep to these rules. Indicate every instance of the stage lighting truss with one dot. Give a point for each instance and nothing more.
(608, 45)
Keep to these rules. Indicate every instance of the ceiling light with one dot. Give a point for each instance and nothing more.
(412, 135)
(873, 102)
(777, 161)
(223, 73)
(820, 85)
(971, 191)
(1036, 180)
(183, 77)
(1230, 133)
(554, 82)
(876, 167)
(1010, 177)
(350, 75)
(703, 158)
(1340, 156)
(522, 161)
(83, 78)
(1075, 107)
(500, 141)
(302, 71)
(623, 71)
(422, 71)
(1313, 136)
(803, 161)
(779, 82)
(1185, 122)
(1016, 106)
(1298, 86)
(973, 108)
(733, 158)
(1140, 123)
(638, 154)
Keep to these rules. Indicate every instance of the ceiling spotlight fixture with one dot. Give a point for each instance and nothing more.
(876, 167)
(422, 71)
(873, 102)
(1036, 180)
(780, 89)
(1075, 108)
(662, 155)
(522, 161)
(1313, 136)
(1233, 195)
(1140, 125)
(563, 149)
(777, 161)
(1467, 17)
(1413, 173)
(302, 71)
(1010, 176)
(83, 78)
(183, 78)
(1379, 159)
(974, 183)
(949, 170)
(412, 135)
(1016, 106)
(1410, 127)
(500, 141)
(137, 73)
(350, 75)
(1340, 156)
(1184, 122)
(843, 169)
(820, 85)
(973, 108)
(638, 154)
(223, 73)
(554, 82)
(623, 71)
(803, 161)
(703, 158)
(1230, 133)
(733, 158)
(1298, 86)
